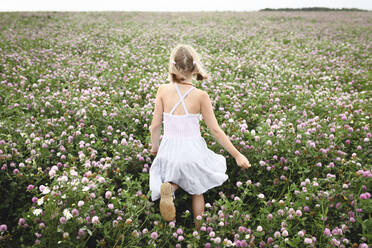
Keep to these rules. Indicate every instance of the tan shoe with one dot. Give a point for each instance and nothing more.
(167, 208)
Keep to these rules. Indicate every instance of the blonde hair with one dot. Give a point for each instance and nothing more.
(183, 60)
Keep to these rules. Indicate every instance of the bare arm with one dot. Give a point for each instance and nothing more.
(156, 124)
(212, 124)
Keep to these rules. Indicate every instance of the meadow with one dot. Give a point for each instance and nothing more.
(292, 90)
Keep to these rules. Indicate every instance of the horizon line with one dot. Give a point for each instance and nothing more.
(188, 11)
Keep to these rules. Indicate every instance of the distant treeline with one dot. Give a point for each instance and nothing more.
(313, 9)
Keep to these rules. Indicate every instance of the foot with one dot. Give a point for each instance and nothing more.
(167, 208)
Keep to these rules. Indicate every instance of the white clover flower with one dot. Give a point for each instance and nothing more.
(80, 203)
(75, 182)
(81, 156)
(261, 196)
(52, 173)
(73, 173)
(37, 212)
(308, 241)
(66, 235)
(95, 220)
(62, 179)
(40, 201)
(46, 190)
(85, 188)
(67, 214)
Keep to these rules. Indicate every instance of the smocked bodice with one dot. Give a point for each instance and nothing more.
(181, 125)
(186, 125)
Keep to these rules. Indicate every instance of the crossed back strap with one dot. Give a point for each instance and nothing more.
(181, 100)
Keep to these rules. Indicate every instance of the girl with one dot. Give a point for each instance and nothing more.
(183, 158)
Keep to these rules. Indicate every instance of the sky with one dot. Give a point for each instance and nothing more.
(174, 5)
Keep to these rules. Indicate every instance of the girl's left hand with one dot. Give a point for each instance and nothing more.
(153, 151)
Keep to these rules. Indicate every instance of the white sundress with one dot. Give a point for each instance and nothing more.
(183, 157)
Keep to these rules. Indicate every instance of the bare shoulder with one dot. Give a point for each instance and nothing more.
(203, 95)
(163, 88)
(170, 87)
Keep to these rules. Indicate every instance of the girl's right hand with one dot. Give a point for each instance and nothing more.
(242, 161)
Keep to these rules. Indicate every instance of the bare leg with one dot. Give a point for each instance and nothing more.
(197, 208)
(175, 186)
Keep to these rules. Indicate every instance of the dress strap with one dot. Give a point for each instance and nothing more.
(181, 100)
